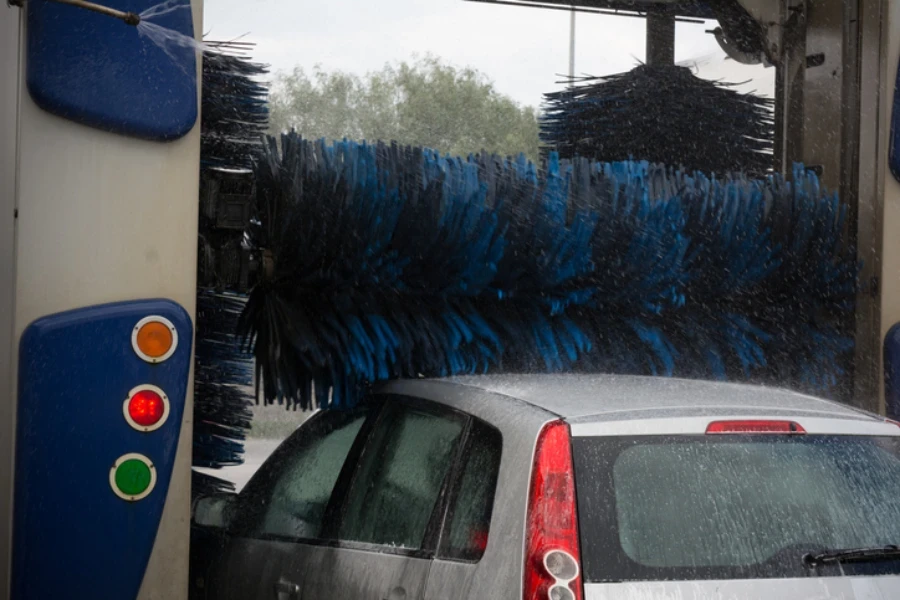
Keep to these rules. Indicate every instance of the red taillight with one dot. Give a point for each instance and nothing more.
(758, 426)
(552, 517)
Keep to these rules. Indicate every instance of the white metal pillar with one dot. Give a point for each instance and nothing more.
(572, 44)
(9, 95)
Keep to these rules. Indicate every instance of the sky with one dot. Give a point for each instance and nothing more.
(522, 50)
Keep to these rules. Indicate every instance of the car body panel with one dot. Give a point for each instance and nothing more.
(626, 406)
(249, 568)
(357, 574)
(519, 406)
(608, 396)
(502, 411)
(499, 573)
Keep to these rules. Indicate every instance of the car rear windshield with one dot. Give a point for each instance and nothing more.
(713, 507)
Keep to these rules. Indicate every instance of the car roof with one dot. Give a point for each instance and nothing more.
(614, 397)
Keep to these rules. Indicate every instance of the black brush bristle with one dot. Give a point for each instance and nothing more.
(223, 379)
(235, 113)
(662, 114)
(235, 117)
(387, 262)
(209, 485)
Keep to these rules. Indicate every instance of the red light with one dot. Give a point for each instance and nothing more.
(785, 427)
(552, 515)
(146, 408)
(478, 541)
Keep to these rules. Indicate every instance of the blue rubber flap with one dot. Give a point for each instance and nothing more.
(892, 372)
(96, 70)
(73, 537)
(894, 149)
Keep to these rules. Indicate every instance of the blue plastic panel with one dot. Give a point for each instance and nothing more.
(892, 372)
(72, 536)
(97, 70)
(894, 149)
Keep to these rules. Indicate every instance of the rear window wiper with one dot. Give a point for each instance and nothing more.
(889, 552)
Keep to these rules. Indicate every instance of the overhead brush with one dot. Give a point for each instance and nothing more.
(664, 114)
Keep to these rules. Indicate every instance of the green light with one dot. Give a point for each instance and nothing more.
(133, 477)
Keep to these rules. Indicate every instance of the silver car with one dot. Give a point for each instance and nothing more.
(566, 487)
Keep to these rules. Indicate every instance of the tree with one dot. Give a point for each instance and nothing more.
(426, 103)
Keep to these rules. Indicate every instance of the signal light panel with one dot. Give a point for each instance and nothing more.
(118, 430)
(133, 476)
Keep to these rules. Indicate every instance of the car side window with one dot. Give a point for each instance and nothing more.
(469, 519)
(292, 503)
(402, 471)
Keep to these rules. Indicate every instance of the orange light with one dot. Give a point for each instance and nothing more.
(154, 339)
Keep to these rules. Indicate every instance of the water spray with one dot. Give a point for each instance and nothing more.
(129, 18)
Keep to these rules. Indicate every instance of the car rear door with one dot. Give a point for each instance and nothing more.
(461, 569)
(384, 535)
(279, 516)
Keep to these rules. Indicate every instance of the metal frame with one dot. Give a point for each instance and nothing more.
(829, 54)
(832, 73)
(9, 99)
(636, 10)
(660, 38)
(789, 55)
(870, 167)
(817, 119)
(683, 8)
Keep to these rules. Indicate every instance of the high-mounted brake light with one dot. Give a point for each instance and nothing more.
(755, 426)
(551, 552)
(154, 339)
